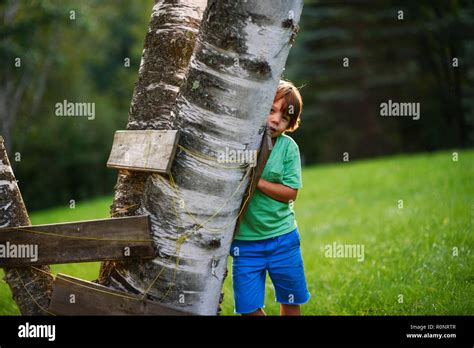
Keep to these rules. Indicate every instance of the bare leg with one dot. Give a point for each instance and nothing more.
(258, 312)
(287, 309)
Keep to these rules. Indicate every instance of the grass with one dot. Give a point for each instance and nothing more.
(92, 209)
(418, 259)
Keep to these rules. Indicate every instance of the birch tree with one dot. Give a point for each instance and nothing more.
(223, 103)
(168, 46)
(30, 287)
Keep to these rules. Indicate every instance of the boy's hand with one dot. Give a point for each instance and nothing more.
(276, 191)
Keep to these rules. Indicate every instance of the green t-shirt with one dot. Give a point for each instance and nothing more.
(265, 216)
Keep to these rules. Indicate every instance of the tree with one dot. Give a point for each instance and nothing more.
(30, 287)
(168, 46)
(223, 102)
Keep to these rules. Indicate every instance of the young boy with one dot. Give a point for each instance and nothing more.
(268, 239)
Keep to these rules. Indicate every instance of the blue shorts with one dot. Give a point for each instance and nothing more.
(281, 257)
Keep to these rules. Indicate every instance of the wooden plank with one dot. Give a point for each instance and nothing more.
(30, 287)
(263, 155)
(73, 296)
(144, 150)
(83, 241)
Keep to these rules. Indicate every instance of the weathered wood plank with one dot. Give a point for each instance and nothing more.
(144, 150)
(83, 241)
(73, 296)
(263, 155)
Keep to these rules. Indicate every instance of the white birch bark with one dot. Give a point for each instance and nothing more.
(240, 54)
(31, 289)
(168, 47)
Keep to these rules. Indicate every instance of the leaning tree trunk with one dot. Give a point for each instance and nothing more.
(240, 54)
(31, 289)
(167, 51)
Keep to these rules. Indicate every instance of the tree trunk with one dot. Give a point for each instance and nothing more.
(167, 51)
(31, 289)
(240, 54)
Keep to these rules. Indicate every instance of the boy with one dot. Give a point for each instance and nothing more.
(268, 239)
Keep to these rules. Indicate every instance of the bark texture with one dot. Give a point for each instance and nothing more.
(31, 289)
(168, 46)
(223, 103)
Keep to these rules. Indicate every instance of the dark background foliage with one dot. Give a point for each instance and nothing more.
(84, 60)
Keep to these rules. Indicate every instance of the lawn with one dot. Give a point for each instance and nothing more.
(412, 215)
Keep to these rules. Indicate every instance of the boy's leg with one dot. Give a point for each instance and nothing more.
(290, 310)
(286, 270)
(259, 312)
(248, 276)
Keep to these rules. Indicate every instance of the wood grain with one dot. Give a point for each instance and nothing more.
(263, 155)
(73, 296)
(83, 241)
(144, 150)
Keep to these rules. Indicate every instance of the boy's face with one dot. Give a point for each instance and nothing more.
(276, 121)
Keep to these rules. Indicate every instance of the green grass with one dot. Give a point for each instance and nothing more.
(408, 251)
(92, 209)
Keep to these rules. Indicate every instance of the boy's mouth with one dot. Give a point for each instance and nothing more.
(273, 130)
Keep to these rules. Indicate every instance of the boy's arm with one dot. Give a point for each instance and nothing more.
(276, 191)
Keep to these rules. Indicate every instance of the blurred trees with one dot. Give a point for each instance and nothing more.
(77, 51)
(406, 60)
